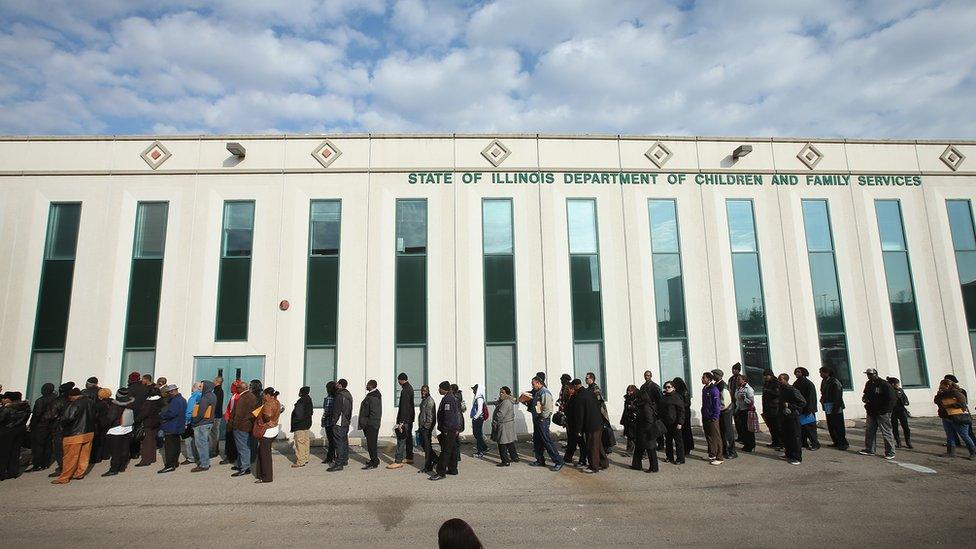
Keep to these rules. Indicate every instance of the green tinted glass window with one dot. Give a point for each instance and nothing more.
(62, 231)
(324, 227)
(411, 226)
(150, 234)
(238, 231)
(233, 298)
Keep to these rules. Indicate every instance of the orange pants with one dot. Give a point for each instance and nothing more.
(77, 451)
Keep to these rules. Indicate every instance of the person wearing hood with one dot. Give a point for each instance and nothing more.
(342, 415)
(243, 425)
(479, 413)
(201, 419)
(118, 438)
(147, 417)
(53, 416)
(78, 431)
(404, 424)
(13, 427)
(237, 387)
(503, 427)
(40, 429)
(189, 446)
(301, 425)
(172, 421)
(266, 429)
(370, 415)
(103, 420)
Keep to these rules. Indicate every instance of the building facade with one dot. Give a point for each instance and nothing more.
(485, 259)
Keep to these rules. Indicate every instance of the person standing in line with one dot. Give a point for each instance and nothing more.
(654, 395)
(118, 438)
(711, 411)
(243, 425)
(628, 419)
(54, 415)
(647, 430)
(328, 421)
(956, 419)
(808, 415)
(78, 430)
(899, 413)
(189, 446)
(138, 391)
(543, 405)
(147, 417)
(479, 413)
(342, 414)
(301, 426)
(404, 424)
(266, 430)
(237, 387)
(879, 400)
(687, 437)
(726, 429)
(172, 421)
(218, 417)
(745, 402)
(832, 402)
(448, 422)
(462, 408)
(13, 430)
(770, 405)
(571, 415)
(201, 420)
(791, 404)
(593, 419)
(733, 389)
(91, 389)
(370, 414)
(503, 427)
(103, 410)
(425, 426)
(672, 414)
(40, 429)
(160, 383)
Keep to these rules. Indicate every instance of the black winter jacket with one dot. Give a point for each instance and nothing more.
(79, 417)
(405, 408)
(879, 397)
(301, 414)
(809, 392)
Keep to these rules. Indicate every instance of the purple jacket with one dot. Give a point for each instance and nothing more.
(711, 402)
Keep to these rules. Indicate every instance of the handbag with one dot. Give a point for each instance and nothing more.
(609, 438)
(752, 420)
(559, 419)
(259, 430)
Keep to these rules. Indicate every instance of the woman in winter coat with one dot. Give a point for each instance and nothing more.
(148, 417)
(503, 427)
(103, 420)
(681, 388)
(266, 429)
(672, 414)
(956, 420)
(646, 431)
(629, 418)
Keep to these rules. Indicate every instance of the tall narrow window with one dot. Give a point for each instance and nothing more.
(964, 243)
(498, 247)
(234, 286)
(826, 291)
(322, 308)
(411, 292)
(750, 306)
(54, 297)
(145, 284)
(669, 296)
(584, 281)
(901, 294)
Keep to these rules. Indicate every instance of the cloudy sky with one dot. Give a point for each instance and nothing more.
(873, 68)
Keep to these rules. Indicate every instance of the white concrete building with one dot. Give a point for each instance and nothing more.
(473, 258)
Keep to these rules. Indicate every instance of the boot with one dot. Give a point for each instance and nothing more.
(950, 451)
(972, 455)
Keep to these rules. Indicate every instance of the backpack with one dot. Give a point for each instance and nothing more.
(484, 411)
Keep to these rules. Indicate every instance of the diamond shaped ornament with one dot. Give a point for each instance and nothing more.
(155, 155)
(496, 152)
(659, 154)
(810, 156)
(326, 153)
(952, 157)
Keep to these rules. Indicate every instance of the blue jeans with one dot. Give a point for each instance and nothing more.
(341, 434)
(541, 440)
(478, 426)
(953, 429)
(201, 437)
(243, 443)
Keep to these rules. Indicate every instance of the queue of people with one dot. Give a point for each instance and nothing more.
(73, 428)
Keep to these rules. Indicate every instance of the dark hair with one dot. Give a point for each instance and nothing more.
(304, 391)
(444, 386)
(827, 370)
(152, 391)
(256, 385)
(536, 378)
(271, 391)
(784, 374)
(342, 383)
(893, 380)
(800, 370)
(371, 384)
(708, 375)
(951, 378)
(457, 534)
(590, 374)
(147, 377)
(422, 387)
(577, 382)
(454, 387)
(402, 376)
(330, 388)
(541, 376)
(506, 390)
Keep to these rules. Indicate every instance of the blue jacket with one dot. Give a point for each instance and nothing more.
(711, 402)
(173, 418)
(190, 403)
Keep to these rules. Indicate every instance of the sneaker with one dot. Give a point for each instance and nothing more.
(395, 466)
(436, 477)
(865, 453)
(166, 470)
(537, 464)
(334, 468)
(590, 471)
(889, 456)
(794, 462)
(479, 455)
(557, 467)
(110, 473)
(716, 462)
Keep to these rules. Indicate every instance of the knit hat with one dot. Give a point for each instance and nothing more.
(168, 388)
(66, 387)
(565, 378)
(93, 380)
(15, 395)
(871, 371)
(718, 373)
(134, 377)
(122, 396)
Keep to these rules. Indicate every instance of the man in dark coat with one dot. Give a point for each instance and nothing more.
(832, 402)
(54, 414)
(301, 424)
(791, 403)
(91, 389)
(573, 412)
(879, 399)
(138, 391)
(654, 395)
(342, 415)
(40, 429)
(808, 429)
(14, 414)
(404, 424)
(770, 406)
(78, 429)
(370, 415)
(592, 420)
(647, 431)
(243, 421)
(449, 424)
